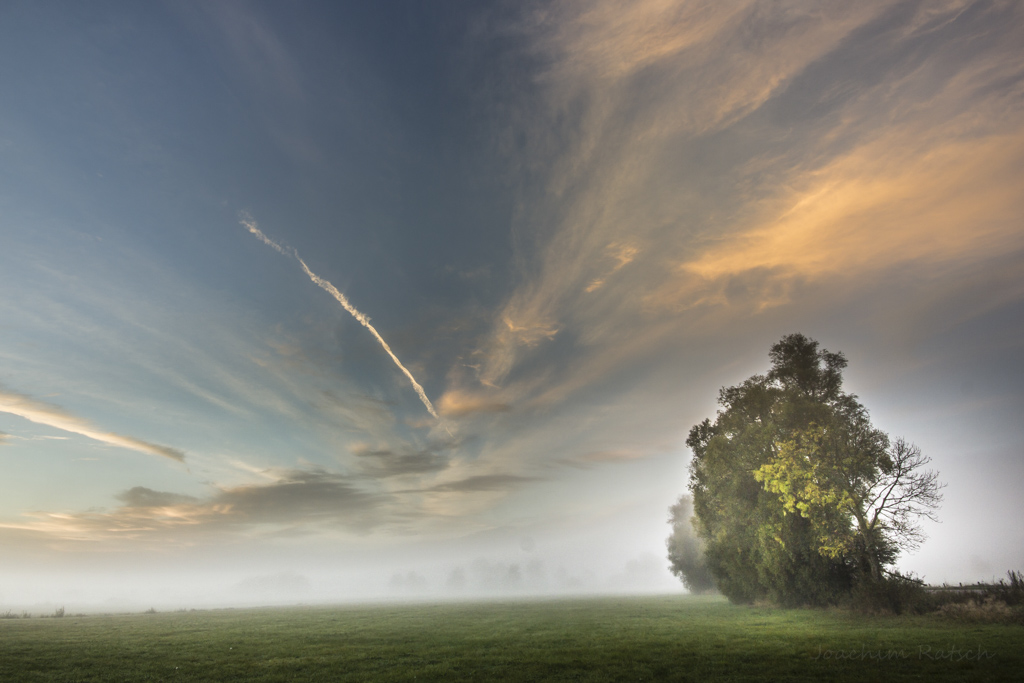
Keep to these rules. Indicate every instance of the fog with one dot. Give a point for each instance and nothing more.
(514, 576)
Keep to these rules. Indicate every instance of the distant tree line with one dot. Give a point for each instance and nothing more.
(796, 498)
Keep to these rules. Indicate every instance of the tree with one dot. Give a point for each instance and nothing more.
(686, 549)
(796, 496)
(863, 501)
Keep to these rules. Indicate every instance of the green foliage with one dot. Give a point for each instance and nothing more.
(797, 497)
(895, 594)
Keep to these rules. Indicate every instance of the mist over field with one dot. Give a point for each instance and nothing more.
(349, 301)
(256, 582)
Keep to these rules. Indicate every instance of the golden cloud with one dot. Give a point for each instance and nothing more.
(872, 210)
(455, 403)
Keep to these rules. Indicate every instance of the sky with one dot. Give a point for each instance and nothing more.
(310, 301)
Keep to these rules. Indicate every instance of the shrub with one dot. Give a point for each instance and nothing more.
(1012, 593)
(895, 594)
(987, 610)
(998, 602)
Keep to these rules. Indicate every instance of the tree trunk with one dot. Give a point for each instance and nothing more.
(870, 547)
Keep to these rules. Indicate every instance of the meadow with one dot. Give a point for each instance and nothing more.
(669, 638)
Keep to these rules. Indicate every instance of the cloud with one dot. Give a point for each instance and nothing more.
(53, 416)
(4, 437)
(705, 162)
(622, 255)
(141, 497)
(485, 482)
(603, 457)
(256, 49)
(455, 403)
(623, 92)
(299, 496)
(294, 499)
(384, 462)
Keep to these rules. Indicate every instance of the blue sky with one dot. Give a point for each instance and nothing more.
(571, 222)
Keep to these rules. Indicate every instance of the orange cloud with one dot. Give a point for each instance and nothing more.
(455, 403)
(873, 210)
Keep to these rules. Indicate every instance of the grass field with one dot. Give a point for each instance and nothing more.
(637, 638)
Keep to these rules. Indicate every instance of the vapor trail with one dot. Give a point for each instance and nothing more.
(54, 416)
(251, 226)
(325, 285)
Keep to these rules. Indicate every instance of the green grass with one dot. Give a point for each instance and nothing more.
(650, 638)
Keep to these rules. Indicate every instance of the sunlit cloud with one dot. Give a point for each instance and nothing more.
(913, 167)
(870, 212)
(621, 254)
(455, 403)
(623, 86)
(53, 416)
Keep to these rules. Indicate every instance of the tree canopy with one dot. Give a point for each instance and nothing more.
(796, 496)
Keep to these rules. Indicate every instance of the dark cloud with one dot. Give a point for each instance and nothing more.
(389, 463)
(296, 498)
(300, 496)
(141, 497)
(485, 482)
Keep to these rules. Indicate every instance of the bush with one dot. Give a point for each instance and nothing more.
(895, 594)
(997, 602)
(1012, 593)
(987, 610)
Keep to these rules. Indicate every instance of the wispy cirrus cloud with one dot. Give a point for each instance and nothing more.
(58, 418)
(706, 159)
(484, 482)
(624, 91)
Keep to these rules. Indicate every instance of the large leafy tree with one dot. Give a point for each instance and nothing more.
(795, 495)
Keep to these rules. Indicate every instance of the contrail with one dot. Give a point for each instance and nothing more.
(250, 224)
(53, 416)
(323, 284)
